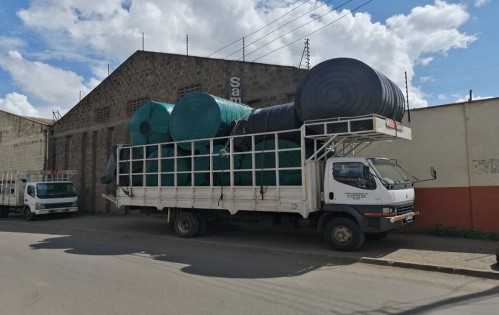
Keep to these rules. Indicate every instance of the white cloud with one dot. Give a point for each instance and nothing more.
(442, 97)
(466, 98)
(427, 79)
(50, 85)
(18, 104)
(479, 3)
(113, 30)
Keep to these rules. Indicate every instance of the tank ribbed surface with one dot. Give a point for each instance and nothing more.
(200, 115)
(149, 124)
(345, 87)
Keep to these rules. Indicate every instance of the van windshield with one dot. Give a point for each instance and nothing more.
(55, 190)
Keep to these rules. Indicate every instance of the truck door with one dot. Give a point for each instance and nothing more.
(29, 196)
(346, 184)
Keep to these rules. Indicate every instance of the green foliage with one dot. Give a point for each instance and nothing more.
(444, 231)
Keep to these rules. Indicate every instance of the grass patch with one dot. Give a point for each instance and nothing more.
(444, 231)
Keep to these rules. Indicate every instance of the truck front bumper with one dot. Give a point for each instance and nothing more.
(56, 210)
(397, 222)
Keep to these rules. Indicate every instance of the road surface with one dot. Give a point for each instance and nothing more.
(46, 269)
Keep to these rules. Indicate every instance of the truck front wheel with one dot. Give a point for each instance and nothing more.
(28, 215)
(343, 234)
(186, 224)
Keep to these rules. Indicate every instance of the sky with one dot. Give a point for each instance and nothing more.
(53, 52)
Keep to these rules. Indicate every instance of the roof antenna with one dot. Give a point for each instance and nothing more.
(407, 98)
(471, 96)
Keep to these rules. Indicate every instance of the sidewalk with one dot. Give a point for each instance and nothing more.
(401, 249)
(450, 255)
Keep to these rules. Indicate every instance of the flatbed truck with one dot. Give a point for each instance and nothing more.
(344, 195)
(37, 192)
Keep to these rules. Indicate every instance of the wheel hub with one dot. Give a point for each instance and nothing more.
(342, 234)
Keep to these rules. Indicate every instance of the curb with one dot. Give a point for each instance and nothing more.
(427, 267)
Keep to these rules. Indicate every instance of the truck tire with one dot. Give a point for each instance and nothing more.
(4, 212)
(343, 234)
(186, 224)
(28, 215)
(203, 225)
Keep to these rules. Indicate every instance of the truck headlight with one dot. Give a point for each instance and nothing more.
(39, 206)
(75, 203)
(388, 210)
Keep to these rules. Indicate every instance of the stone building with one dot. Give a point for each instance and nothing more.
(23, 142)
(83, 138)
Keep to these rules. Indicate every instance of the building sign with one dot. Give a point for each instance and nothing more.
(235, 90)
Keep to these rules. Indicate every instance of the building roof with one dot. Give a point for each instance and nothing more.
(43, 121)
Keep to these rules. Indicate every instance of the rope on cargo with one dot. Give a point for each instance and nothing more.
(222, 154)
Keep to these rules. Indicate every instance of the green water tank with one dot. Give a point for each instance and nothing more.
(150, 122)
(265, 161)
(220, 163)
(200, 115)
(168, 165)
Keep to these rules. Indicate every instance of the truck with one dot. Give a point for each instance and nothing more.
(37, 192)
(328, 185)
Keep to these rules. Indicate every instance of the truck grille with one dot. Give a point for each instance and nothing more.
(58, 205)
(405, 209)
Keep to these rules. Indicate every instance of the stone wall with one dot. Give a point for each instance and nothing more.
(83, 138)
(23, 143)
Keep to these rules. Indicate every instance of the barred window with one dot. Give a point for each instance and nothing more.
(187, 89)
(102, 114)
(134, 105)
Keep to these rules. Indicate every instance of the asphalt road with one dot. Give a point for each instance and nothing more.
(57, 266)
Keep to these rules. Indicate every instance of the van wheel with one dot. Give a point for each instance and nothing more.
(343, 234)
(186, 224)
(28, 215)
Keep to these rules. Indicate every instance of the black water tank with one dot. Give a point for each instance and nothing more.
(268, 119)
(345, 87)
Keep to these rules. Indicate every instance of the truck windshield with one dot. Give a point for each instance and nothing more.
(390, 173)
(55, 190)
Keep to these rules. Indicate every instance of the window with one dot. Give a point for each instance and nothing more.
(31, 191)
(102, 114)
(352, 174)
(187, 89)
(134, 105)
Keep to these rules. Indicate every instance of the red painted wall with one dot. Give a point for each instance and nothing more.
(474, 208)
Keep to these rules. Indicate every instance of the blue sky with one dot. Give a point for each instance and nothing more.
(52, 51)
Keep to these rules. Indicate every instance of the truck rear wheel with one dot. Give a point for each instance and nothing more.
(186, 224)
(28, 215)
(343, 234)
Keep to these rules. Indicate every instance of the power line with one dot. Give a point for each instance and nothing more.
(258, 30)
(265, 35)
(341, 17)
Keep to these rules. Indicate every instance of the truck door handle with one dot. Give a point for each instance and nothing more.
(331, 196)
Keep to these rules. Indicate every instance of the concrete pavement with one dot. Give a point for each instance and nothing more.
(402, 249)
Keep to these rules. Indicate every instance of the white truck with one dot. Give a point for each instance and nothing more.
(35, 193)
(346, 197)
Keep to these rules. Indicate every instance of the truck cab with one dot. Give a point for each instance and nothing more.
(373, 192)
(49, 197)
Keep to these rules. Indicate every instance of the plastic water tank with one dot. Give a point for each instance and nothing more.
(345, 87)
(149, 124)
(200, 115)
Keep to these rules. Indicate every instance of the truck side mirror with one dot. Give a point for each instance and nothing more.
(366, 173)
(433, 172)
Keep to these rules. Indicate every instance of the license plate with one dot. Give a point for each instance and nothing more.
(409, 217)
